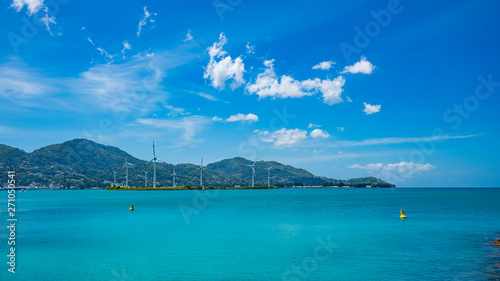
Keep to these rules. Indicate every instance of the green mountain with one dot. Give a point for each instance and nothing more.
(82, 163)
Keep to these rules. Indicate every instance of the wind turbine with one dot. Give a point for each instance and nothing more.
(269, 176)
(201, 174)
(146, 179)
(126, 169)
(253, 170)
(154, 160)
(174, 174)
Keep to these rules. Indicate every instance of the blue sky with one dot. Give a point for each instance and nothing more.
(402, 90)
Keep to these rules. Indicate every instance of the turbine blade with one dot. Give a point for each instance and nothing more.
(148, 162)
(256, 160)
(154, 152)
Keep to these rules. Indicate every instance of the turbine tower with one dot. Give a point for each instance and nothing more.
(126, 169)
(269, 176)
(253, 171)
(201, 174)
(154, 160)
(114, 178)
(146, 179)
(174, 174)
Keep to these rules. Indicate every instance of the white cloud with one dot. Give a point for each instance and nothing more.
(250, 49)
(326, 65)
(268, 84)
(402, 169)
(33, 6)
(23, 83)
(318, 133)
(207, 96)
(386, 141)
(330, 89)
(362, 66)
(216, 119)
(47, 21)
(90, 40)
(126, 46)
(144, 20)
(340, 129)
(311, 125)
(220, 71)
(243, 118)
(290, 137)
(133, 87)
(188, 126)
(106, 55)
(189, 37)
(282, 137)
(370, 109)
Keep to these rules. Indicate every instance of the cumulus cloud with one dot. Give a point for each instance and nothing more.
(341, 129)
(289, 137)
(402, 169)
(362, 66)
(311, 125)
(318, 133)
(330, 89)
(226, 68)
(243, 118)
(189, 37)
(216, 119)
(283, 137)
(33, 6)
(268, 84)
(370, 109)
(326, 65)
(144, 20)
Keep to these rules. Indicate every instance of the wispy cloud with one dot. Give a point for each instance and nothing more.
(207, 96)
(133, 86)
(126, 46)
(183, 130)
(47, 21)
(144, 20)
(392, 170)
(189, 37)
(387, 141)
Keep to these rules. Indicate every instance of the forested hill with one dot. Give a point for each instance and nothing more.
(81, 163)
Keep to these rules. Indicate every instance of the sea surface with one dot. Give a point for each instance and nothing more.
(284, 234)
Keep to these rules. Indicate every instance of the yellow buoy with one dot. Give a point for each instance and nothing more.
(132, 207)
(402, 214)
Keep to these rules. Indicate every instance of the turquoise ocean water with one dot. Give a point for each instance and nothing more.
(285, 234)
